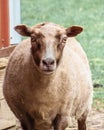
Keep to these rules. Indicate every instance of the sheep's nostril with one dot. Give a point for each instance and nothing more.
(52, 62)
(48, 62)
(44, 62)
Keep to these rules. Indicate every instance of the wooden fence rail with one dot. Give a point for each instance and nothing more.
(4, 23)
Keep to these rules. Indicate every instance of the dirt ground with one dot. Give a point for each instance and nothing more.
(95, 120)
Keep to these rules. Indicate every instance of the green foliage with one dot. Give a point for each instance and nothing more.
(87, 13)
(98, 98)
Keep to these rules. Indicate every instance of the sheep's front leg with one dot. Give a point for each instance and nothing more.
(82, 123)
(25, 122)
(60, 122)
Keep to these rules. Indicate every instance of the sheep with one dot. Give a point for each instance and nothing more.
(48, 78)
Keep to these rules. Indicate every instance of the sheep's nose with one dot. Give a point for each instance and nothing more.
(48, 62)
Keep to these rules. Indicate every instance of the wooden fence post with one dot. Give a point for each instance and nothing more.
(4, 23)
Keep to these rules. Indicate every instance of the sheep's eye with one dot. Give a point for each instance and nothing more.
(33, 39)
(64, 40)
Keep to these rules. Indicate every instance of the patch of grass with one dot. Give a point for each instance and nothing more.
(98, 98)
(87, 13)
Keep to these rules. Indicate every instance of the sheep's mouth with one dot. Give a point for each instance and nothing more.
(48, 70)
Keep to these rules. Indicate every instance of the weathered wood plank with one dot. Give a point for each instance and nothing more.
(4, 124)
(7, 118)
(1, 94)
(3, 63)
(4, 52)
(1, 82)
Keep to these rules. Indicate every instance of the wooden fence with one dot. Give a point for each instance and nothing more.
(7, 118)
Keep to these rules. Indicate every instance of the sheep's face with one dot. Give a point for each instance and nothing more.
(47, 50)
(47, 43)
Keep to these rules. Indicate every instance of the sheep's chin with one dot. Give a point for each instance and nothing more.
(48, 72)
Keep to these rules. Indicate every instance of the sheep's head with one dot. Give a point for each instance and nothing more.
(47, 43)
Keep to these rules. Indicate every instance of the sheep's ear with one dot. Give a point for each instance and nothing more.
(73, 31)
(23, 30)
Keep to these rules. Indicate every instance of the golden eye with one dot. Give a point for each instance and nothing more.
(33, 39)
(64, 40)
